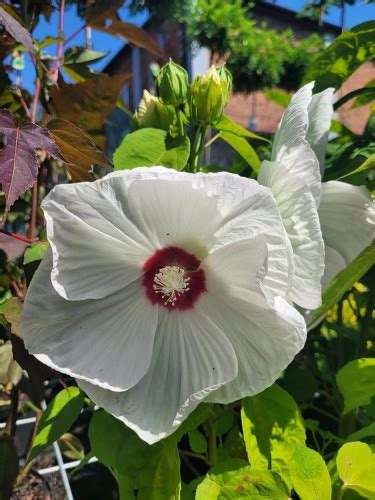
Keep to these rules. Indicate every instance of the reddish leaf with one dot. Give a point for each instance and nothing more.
(12, 24)
(100, 10)
(79, 150)
(132, 34)
(87, 104)
(18, 163)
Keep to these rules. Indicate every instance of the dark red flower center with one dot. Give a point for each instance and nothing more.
(173, 278)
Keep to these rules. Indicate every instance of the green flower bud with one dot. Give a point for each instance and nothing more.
(153, 113)
(226, 76)
(172, 83)
(208, 98)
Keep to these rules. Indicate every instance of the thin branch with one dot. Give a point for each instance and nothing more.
(193, 455)
(323, 412)
(60, 45)
(10, 426)
(17, 291)
(34, 199)
(17, 236)
(75, 33)
(23, 103)
(213, 139)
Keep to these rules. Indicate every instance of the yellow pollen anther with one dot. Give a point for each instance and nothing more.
(171, 282)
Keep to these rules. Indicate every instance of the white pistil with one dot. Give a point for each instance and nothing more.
(171, 282)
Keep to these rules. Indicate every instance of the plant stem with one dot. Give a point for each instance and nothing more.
(75, 33)
(10, 426)
(212, 443)
(213, 139)
(193, 455)
(17, 291)
(17, 236)
(366, 324)
(323, 412)
(60, 45)
(193, 149)
(34, 199)
(23, 103)
(200, 148)
(341, 492)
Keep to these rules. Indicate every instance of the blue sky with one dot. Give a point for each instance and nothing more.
(104, 43)
(355, 14)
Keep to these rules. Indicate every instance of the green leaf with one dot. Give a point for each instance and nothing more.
(80, 72)
(343, 282)
(366, 165)
(11, 309)
(309, 475)
(57, 418)
(154, 471)
(356, 381)
(10, 370)
(71, 446)
(161, 478)
(35, 252)
(225, 124)
(272, 427)
(150, 146)
(81, 55)
(243, 148)
(365, 432)
(340, 59)
(356, 468)
(242, 483)
(365, 95)
(196, 418)
(8, 466)
(49, 40)
(197, 441)
(280, 97)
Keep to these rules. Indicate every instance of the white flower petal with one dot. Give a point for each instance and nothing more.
(174, 213)
(334, 263)
(239, 264)
(191, 358)
(300, 218)
(294, 123)
(108, 250)
(347, 218)
(258, 215)
(265, 337)
(108, 342)
(290, 145)
(320, 111)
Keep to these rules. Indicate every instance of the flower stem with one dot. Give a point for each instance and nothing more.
(197, 148)
(200, 148)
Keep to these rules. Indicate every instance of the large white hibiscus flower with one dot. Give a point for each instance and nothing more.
(163, 289)
(341, 215)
